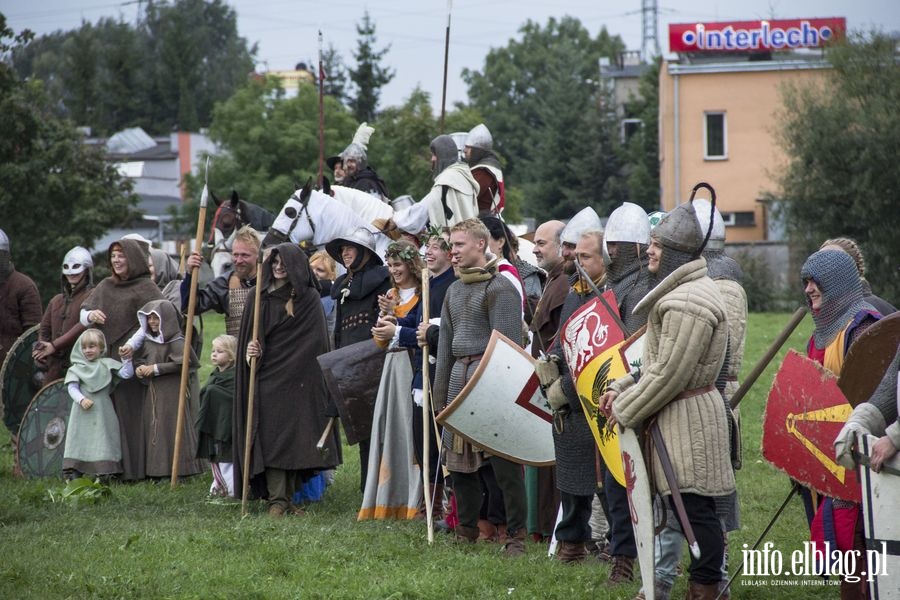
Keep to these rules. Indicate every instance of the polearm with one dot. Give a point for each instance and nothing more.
(446, 58)
(321, 116)
(426, 408)
(768, 356)
(251, 392)
(189, 332)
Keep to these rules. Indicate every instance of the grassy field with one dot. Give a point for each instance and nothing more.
(149, 541)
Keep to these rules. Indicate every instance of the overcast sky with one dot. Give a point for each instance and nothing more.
(285, 30)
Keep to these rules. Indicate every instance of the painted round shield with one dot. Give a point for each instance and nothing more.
(17, 386)
(868, 359)
(42, 435)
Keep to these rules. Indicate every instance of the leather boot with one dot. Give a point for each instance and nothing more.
(514, 544)
(571, 552)
(466, 535)
(699, 591)
(661, 591)
(622, 570)
(487, 532)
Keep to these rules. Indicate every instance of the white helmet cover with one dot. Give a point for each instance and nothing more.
(585, 219)
(627, 223)
(717, 237)
(76, 261)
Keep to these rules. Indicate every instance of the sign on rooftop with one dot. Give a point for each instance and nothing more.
(743, 36)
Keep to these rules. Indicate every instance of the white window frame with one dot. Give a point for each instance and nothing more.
(624, 125)
(706, 154)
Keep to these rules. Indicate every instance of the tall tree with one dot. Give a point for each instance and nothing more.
(335, 74)
(369, 76)
(841, 137)
(538, 95)
(55, 191)
(169, 72)
(270, 142)
(640, 153)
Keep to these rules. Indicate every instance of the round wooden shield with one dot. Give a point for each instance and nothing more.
(42, 435)
(868, 359)
(17, 386)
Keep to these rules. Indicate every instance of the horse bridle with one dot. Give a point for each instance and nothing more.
(222, 245)
(304, 208)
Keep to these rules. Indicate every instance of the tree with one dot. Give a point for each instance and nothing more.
(169, 72)
(270, 142)
(55, 191)
(539, 98)
(335, 74)
(841, 138)
(640, 153)
(369, 76)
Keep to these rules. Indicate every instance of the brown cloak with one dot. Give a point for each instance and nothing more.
(120, 300)
(290, 398)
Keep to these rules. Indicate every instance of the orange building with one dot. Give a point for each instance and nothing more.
(719, 112)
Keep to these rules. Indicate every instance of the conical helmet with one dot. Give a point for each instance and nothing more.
(717, 237)
(627, 223)
(480, 137)
(584, 220)
(680, 230)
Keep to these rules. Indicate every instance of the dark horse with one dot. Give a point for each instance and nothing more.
(230, 216)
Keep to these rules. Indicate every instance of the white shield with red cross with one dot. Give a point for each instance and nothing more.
(502, 409)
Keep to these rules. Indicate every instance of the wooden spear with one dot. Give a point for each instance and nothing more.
(426, 408)
(321, 116)
(251, 392)
(446, 58)
(189, 333)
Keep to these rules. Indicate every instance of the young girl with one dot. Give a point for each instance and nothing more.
(93, 446)
(158, 366)
(214, 418)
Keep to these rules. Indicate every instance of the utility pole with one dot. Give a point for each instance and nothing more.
(649, 39)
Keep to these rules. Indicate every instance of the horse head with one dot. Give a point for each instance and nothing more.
(285, 225)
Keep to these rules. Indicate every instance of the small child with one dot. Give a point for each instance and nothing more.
(158, 348)
(214, 418)
(93, 446)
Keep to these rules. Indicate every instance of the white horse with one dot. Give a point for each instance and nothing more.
(315, 217)
(370, 209)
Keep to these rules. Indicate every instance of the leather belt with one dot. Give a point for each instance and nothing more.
(695, 392)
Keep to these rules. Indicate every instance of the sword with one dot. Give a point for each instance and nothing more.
(663, 455)
(862, 459)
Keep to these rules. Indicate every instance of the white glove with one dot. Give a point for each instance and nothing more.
(864, 419)
(556, 397)
(547, 370)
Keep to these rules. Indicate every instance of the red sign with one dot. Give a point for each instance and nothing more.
(804, 413)
(742, 36)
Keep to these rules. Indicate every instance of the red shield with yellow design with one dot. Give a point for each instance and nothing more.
(804, 413)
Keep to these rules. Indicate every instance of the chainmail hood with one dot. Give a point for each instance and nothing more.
(720, 266)
(835, 274)
(444, 148)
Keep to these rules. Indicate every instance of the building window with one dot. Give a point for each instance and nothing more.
(629, 128)
(739, 219)
(714, 132)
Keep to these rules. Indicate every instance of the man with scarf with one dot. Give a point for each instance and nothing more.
(228, 292)
(576, 476)
(684, 348)
(486, 169)
(60, 326)
(834, 294)
(356, 295)
(476, 305)
(453, 198)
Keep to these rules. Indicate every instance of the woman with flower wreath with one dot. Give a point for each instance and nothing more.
(393, 485)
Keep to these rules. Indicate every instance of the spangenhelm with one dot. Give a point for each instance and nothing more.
(717, 237)
(76, 261)
(586, 218)
(360, 237)
(4, 241)
(627, 223)
(480, 137)
(680, 230)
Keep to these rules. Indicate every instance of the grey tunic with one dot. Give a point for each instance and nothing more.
(471, 312)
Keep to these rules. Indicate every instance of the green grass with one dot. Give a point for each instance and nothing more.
(150, 541)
